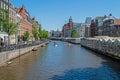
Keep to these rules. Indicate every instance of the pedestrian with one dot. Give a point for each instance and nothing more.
(2, 43)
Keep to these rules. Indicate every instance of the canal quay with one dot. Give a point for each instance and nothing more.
(62, 62)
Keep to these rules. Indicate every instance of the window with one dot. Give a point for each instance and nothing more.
(112, 22)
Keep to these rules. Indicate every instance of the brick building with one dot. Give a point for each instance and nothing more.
(26, 22)
(67, 28)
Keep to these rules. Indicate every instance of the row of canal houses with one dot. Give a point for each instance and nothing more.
(104, 44)
(18, 16)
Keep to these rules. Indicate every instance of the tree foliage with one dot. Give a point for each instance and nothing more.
(40, 32)
(35, 31)
(4, 17)
(74, 33)
(5, 25)
(26, 36)
(45, 34)
(10, 28)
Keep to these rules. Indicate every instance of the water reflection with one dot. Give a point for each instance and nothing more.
(88, 74)
(62, 62)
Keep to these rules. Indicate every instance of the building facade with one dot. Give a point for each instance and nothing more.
(12, 14)
(105, 26)
(98, 25)
(67, 28)
(80, 28)
(26, 22)
(111, 26)
(55, 33)
(87, 26)
(4, 6)
(92, 28)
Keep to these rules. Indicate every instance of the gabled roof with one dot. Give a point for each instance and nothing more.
(18, 9)
(110, 17)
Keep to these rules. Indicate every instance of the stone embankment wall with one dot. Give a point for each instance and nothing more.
(109, 46)
(8, 55)
(70, 40)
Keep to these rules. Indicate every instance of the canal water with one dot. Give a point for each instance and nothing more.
(62, 62)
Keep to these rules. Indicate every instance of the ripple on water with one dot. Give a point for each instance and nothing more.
(61, 63)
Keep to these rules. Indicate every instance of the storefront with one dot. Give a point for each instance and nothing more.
(3, 38)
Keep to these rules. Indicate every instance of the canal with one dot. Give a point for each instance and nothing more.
(62, 62)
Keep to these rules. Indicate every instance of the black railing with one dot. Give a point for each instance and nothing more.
(20, 45)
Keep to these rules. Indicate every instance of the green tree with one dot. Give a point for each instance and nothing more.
(9, 27)
(35, 31)
(26, 36)
(1, 17)
(40, 32)
(45, 34)
(4, 17)
(74, 33)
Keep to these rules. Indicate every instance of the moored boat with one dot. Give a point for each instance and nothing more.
(35, 49)
(43, 45)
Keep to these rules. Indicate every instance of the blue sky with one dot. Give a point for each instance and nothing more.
(52, 14)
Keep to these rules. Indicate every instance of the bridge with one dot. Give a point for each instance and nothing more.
(70, 40)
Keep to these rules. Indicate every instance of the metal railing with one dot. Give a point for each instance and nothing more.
(20, 45)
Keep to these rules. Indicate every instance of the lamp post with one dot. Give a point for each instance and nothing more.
(19, 40)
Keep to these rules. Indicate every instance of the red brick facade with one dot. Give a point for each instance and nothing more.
(26, 22)
(67, 26)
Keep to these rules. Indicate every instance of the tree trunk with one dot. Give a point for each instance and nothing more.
(8, 39)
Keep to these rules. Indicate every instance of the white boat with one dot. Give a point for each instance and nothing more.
(9, 62)
(35, 49)
(55, 45)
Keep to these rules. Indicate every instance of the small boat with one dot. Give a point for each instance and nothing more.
(55, 44)
(9, 62)
(43, 45)
(35, 49)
